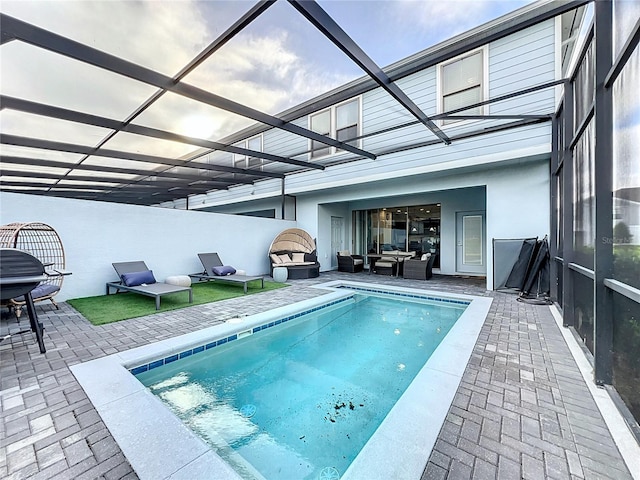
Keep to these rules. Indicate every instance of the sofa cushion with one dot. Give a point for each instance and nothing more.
(385, 264)
(358, 261)
(134, 279)
(224, 270)
(297, 257)
(42, 290)
(344, 253)
(425, 257)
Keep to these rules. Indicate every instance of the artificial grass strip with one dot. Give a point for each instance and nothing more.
(105, 309)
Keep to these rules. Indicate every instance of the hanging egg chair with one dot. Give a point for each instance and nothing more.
(41, 241)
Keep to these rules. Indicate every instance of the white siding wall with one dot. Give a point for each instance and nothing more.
(95, 234)
(522, 60)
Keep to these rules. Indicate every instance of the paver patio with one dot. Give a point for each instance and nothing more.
(522, 409)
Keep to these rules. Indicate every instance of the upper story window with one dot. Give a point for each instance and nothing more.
(341, 122)
(242, 161)
(462, 82)
(320, 123)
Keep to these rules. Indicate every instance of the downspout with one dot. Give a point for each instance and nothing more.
(282, 199)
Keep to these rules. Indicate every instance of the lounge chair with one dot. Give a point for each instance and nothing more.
(137, 278)
(214, 272)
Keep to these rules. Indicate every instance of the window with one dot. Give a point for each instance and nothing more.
(255, 144)
(321, 123)
(347, 122)
(462, 83)
(254, 163)
(341, 122)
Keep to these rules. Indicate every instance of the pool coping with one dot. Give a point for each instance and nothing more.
(144, 428)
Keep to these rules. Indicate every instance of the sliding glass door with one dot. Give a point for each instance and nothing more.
(412, 228)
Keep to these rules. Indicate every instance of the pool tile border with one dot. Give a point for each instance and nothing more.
(407, 295)
(224, 340)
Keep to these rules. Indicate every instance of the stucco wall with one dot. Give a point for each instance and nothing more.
(515, 197)
(95, 234)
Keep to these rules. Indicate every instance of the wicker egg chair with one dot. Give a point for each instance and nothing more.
(41, 241)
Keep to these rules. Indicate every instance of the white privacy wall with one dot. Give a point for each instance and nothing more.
(95, 234)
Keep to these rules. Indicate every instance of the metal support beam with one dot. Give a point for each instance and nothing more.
(282, 199)
(103, 152)
(40, 162)
(136, 188)
(323, 22)
(203, 183)
(496, 117)
(556, 197)
(568, 317)
(506, 96)
(87, 119)
(56, 43)
(116, 197)
(603, 179)
(626, 51)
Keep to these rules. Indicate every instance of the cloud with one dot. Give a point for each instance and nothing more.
(161, 35)
(433, 21)
(259, 68)
(264, 72)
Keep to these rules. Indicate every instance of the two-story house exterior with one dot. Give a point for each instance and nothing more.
(491, 180)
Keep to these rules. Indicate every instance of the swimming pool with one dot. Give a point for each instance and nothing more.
(398, 448)
(303, 398)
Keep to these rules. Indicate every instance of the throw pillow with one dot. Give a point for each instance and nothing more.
(224, 270)
(138, 278)
(275, 258)
(425, 257)
(285, 258)
(298, 257)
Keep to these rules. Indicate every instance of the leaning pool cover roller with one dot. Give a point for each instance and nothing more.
(530, 273)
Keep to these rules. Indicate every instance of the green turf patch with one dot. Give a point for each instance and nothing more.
(122, 306)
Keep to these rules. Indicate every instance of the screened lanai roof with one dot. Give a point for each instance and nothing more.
(153, 105)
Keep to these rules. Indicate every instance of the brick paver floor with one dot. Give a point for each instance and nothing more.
(522, 409)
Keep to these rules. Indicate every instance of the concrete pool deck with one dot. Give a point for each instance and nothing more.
(522, 410)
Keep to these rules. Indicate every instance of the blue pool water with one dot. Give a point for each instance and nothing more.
(300, 400)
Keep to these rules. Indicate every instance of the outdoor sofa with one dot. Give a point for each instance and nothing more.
(295, 250)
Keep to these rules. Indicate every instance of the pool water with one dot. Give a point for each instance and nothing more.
(301, 399)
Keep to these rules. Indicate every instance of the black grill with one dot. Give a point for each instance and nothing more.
(21, 272)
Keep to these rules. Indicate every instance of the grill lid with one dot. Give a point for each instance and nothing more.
(20, 272)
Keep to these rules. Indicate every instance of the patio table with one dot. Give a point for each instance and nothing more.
(399, 257)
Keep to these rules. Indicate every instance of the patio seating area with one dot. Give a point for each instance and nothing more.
(522, 409)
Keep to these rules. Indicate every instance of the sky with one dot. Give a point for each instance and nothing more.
(277, 62)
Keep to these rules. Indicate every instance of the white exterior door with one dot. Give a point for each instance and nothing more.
(470, 242)
(337, 239)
